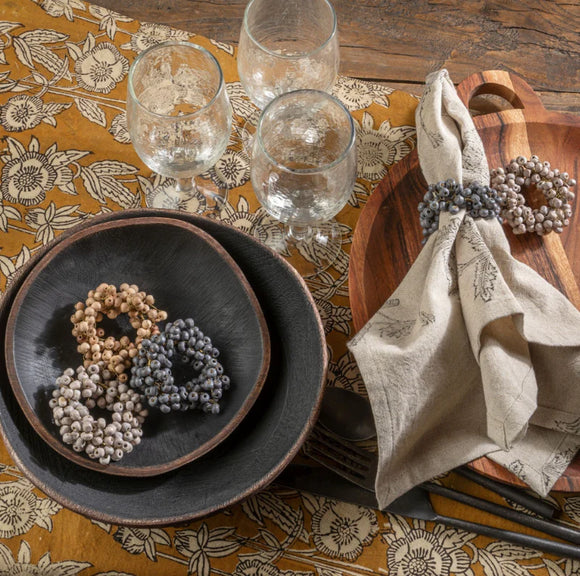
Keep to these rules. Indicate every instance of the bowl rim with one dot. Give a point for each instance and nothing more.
(115, 468)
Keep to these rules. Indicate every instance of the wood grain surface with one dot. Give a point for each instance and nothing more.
(397, 42)
(388, 235)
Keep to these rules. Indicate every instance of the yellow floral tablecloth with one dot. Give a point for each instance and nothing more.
(65, 156)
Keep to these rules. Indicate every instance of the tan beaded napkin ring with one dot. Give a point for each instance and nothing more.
(554, 185)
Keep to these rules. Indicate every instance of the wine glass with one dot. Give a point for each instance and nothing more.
(286, 45)
(303, 172)
(179, 118)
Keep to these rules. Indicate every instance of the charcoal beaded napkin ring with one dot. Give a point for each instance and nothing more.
(449, 196)
(554, 185)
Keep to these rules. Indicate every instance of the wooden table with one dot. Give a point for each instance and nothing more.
(399, 42)
(66, 126)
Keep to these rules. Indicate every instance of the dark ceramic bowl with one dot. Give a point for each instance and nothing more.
(249, 459)
(190, 275)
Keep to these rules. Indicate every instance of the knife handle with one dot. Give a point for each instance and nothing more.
(550, 546)
(548, 527)
(532, 503)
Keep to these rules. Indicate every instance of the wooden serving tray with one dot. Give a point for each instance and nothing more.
(388, 235)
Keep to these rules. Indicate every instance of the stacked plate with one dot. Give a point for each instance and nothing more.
(253, 305)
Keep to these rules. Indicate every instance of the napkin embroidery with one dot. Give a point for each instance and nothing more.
(486, 272)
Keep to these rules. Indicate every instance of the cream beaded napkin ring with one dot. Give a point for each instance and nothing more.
(555, 186)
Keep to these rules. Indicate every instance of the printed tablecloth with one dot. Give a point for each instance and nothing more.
(66, 156)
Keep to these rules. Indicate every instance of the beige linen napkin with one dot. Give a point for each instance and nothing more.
(474, 353)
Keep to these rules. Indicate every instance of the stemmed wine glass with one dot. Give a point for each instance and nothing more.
(303, 172)
(179, 118)
(286, 45)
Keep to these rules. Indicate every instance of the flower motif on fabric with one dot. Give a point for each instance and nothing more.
(485, 270)
(379, 149)
(23, 566)
(99, 67)
(241, 217)
(23, 112)
(341, 530)
(232, 169)
(159, 192)
(28, 174)
(21, 509)
(416, 552)
(150, 34)
(357, 94)
(142, 540)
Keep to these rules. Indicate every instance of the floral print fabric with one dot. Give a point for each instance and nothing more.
(65, 156)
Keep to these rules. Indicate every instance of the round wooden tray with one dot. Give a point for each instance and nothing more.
(387, 239)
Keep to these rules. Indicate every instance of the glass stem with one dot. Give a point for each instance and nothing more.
(298, 233)
(185, 186)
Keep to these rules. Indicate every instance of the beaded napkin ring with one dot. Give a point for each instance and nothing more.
(554, 185)
(106, 300)
(449, 196)
(79, 392)
(152, 376)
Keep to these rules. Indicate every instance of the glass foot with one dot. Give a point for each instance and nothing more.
(201, 195)
(311, 250)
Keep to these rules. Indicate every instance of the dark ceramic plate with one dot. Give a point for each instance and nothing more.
(190, 275)
(249, 459)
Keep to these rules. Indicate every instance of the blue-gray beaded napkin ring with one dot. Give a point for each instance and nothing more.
(477, 200)
(554, 185)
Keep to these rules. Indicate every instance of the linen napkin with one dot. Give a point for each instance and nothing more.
(474, 353)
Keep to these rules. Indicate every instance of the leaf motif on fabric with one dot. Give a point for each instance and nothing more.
(91, 111)
(227, 48)
(557, 465)
(393, 327)
(426, 318)
(445, 248)
(572, 427)
(485, 269)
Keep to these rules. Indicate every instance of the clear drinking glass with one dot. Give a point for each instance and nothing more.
(286, 45)
(179, 117)
(303, 172)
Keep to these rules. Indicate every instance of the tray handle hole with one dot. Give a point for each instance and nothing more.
(490, 98)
